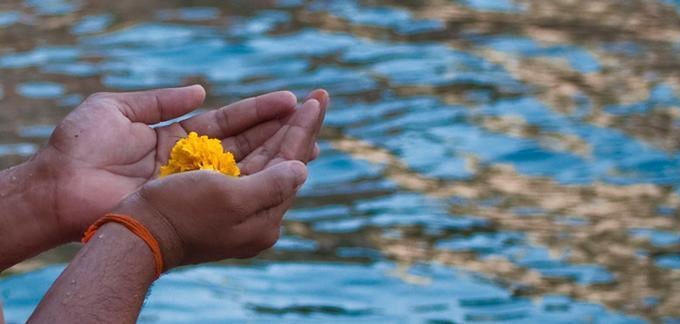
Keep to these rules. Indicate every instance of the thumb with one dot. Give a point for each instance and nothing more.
(155, 106)
(272, 186)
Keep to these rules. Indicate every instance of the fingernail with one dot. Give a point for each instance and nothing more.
(325, 97)
(300, 171)
(196, 86)
(313, 101)
(310, 95)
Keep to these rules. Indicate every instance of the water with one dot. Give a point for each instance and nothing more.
(301, 292)
(482, 160)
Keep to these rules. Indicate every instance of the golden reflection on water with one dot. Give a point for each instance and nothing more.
(609, 212)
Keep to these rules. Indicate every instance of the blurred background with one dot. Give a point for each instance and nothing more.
(483, 160)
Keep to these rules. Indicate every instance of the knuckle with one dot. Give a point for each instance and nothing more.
(238, 213)
(223, 120)
(273, 217)
(98, 96)
(270, 238)
(280, 190)
(146, 193)
(232, 203)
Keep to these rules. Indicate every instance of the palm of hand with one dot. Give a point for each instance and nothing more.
(102, 157)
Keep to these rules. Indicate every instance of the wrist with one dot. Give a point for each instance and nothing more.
(106, 282)
(40, 183)
(53, 170)
(26, 200)
(163, 231)
(125, 248)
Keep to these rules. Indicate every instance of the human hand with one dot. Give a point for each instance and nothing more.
(296, 140)
(203, 216)
(245, 216)
(105, 149)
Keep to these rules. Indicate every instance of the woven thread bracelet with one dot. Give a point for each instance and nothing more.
(135, 227)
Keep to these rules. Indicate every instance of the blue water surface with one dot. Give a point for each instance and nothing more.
(324, 292)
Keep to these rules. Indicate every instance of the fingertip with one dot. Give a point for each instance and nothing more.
(321, 95)
(197, 92)
(199, 89)
(312, 103)
(276, 104)
(312, 109)
(298, 169)
(288, 97)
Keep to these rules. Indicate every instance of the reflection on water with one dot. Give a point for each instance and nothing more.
(483, 160)
(301, 292)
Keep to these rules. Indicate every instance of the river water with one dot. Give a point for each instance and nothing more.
(513, 161)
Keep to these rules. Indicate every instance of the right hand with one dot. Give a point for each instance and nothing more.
(204, 216)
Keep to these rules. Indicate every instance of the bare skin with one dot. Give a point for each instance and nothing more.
(105, 151)
(221, 217)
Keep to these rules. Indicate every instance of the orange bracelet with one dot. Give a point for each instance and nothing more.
(135, 227)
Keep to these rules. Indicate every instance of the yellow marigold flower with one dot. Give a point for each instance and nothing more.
(200, 153)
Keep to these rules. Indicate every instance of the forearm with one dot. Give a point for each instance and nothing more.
(105, 283)
(27, 223)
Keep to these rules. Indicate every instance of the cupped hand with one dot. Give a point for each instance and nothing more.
(203, 216)
(106, 149)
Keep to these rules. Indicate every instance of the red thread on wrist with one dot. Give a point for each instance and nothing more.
(135, 227)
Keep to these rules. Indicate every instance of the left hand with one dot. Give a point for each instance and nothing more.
(105, 149)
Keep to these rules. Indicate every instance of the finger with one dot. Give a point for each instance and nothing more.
(272, 186)
(323, 98)
(289, 143)
(240, 116)
(300, 137)
(263, 230)
(244, 143)
(155, 106)
(316, 152)
(272, 217)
